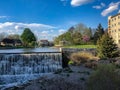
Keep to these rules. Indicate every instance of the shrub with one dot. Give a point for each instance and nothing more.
(106, 47)
(70, 62)
(104, 78)
(81, 57)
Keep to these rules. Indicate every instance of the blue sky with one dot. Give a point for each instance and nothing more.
(49, 18)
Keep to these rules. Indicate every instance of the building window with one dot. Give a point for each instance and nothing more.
(119, 41)
(119, 17)
(118, 23)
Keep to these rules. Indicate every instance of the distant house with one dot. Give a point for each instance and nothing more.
(63, 43)
(17, 42)
(7, 42)
(51, 43)
(43, 43)
(10, 42)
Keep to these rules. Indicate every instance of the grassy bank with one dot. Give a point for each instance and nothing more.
(81, 46)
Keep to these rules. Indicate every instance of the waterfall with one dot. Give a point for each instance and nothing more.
(30, 63)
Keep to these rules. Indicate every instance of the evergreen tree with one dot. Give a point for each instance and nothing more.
(90, 33)
(106, 47)
(28, 37)
(99, 32)
(71, 29)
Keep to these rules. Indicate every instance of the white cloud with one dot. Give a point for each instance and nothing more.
(119, 11)
(103, 4)
(61, 31)
(99, 6)
(3, 17)
(80, 2)
(18, 27)
(40, 30)
(51, 30)
(64, 2)
(44, 33)
(112, 7)
(24, 25)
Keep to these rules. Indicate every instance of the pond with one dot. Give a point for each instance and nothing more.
(30, 50)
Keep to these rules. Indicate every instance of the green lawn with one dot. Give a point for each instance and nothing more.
(81, 46)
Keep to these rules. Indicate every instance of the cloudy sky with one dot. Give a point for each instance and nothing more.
(49, 18)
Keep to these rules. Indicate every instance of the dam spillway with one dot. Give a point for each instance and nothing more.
(18, 66)
(31, 63)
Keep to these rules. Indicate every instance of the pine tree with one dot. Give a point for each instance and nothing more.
(90, 33)
(71, 29)
(106, 47)
(99, 32)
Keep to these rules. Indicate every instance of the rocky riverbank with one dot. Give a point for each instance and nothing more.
(66, 79)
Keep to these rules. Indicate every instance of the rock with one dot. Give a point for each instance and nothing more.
(117, 63)
(104, 61)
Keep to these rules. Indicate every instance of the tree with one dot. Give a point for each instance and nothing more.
(71, 29)
(77, 38)
(28, 37)
(85, 38)
(81, 28)
(99, 32)
(13, 36)
(2, 36)
(106, 47)
(77, 34)
(90, 33)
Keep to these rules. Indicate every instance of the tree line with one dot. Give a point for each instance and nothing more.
(80, 34)
(27, 37)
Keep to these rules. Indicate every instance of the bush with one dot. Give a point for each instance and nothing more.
(82, 57)
(70, 62)
(106, 47)
(104, 78)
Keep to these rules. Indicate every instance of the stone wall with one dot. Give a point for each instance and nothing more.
(73, 50)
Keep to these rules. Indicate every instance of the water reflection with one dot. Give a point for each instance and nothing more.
(29, 50)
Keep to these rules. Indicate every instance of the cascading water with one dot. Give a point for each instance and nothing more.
(15, 67)
(14, 64)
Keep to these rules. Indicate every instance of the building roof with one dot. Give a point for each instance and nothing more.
(115, 15)
(7, 40)
(43, 40)
(17, 41)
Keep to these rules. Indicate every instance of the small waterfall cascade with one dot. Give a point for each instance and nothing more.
(30, 63)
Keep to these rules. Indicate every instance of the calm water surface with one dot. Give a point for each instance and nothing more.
(29, 50)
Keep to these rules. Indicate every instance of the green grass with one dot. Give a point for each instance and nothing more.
(81, 46)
